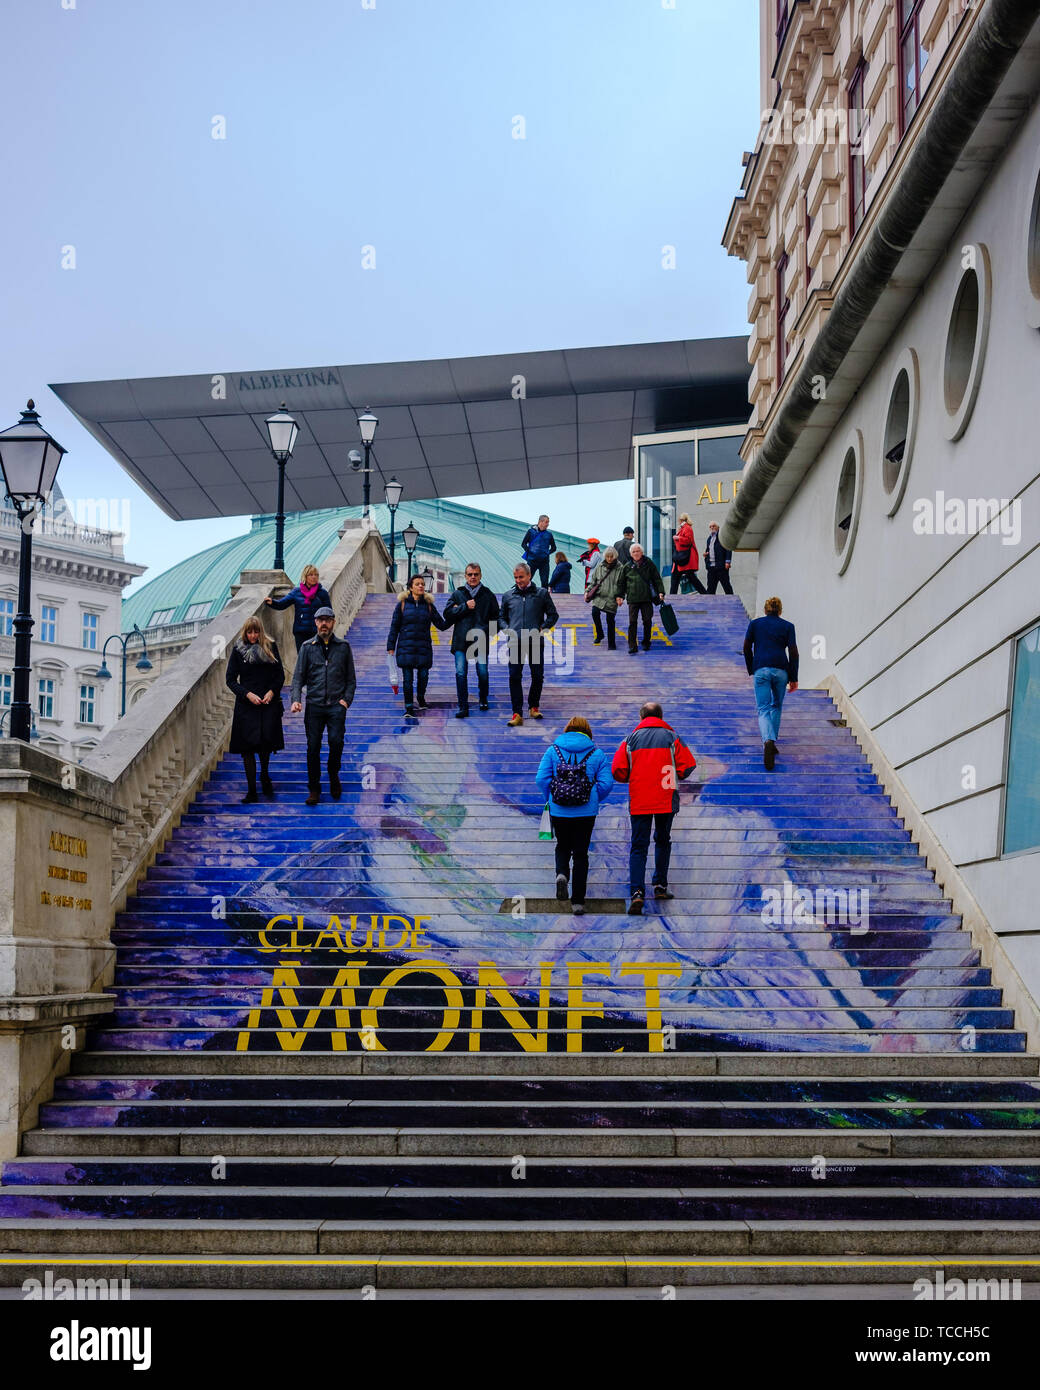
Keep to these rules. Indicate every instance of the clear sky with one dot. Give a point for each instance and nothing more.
(350, 123)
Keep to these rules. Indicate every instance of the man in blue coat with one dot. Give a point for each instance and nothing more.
(538, 544)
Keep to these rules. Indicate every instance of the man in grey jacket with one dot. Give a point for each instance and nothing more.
(325, 665)
(525, 611)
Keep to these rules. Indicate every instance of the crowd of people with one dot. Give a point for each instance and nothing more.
(574, 775)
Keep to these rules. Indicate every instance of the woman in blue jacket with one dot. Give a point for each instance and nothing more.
(409, 634)
(574, 816)
(560, 579)
(306, 599)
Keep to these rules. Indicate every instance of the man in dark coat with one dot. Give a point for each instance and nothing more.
(640, 586)
(325, 666)
(717, 561)
(526, 610)
(471, 610)
(625, 544)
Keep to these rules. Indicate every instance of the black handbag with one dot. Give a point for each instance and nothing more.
(681, 557)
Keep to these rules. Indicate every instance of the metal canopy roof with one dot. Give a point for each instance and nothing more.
(198, 447)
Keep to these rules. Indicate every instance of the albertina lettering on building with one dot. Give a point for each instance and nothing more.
(277, 381)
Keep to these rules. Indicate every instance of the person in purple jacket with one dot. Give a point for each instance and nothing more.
(771, 657)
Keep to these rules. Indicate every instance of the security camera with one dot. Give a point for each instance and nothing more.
(356, 460)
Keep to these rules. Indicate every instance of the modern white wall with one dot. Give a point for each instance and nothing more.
(920, 629)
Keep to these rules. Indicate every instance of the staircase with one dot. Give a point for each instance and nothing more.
(428, 1073)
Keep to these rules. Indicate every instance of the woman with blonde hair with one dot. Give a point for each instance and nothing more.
(255, 677)
(409, 636)
(575, 778)
(685, 560)
(306, 599)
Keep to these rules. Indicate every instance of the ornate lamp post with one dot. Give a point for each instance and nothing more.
(29, 460)
(410, 536)
(104, 674)
(367, 425)
(282, 430)
(392, 492)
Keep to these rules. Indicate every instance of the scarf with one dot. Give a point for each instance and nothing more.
(252, 653)
(309, 590)
(475, 590)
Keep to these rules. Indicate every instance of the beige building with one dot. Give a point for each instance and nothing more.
(845, 89)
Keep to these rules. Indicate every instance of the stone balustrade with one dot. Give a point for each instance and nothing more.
(80, 837)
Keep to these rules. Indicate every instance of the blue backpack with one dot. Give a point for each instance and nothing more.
(570, 784)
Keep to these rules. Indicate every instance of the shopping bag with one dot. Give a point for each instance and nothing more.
(545, 830)
(669, 621)
(392, 671)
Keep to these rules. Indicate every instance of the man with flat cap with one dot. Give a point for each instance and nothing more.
(325, 665)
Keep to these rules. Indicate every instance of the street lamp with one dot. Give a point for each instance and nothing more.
(367, 425)
(35, 733)
(410, 536)
(392, 492)
(29, 460)
(282, 430)
(104, 674)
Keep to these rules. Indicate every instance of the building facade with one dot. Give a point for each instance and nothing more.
(79, 574)
(891, 481)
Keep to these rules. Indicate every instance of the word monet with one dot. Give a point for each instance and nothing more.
(805, 907)
(76, 1343)
(969, 516)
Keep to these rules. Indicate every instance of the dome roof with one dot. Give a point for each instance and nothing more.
(458, 533)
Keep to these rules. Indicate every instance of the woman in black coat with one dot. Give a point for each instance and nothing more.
(410, 635)
(306, 599)
(255, 678)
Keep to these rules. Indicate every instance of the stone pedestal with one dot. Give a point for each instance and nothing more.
(56, 824)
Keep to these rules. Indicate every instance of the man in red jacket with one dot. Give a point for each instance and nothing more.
(651, 760)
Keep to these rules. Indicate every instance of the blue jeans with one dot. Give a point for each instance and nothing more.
(641, 825)
(770, 687)
(462, 680)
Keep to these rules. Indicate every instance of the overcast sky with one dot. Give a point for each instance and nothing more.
(350, 123)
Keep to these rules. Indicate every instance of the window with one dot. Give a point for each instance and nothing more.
(87, 699)
(966, 339)
(45, 700)
(897, 446)
(6, 617)
(1022, 801)
(6, 689)
(783, 19)
(847, 501)
(48, 624)
(913, 59)
(783, 304)
(857, 163)
(808, 231)
(90, 631)
(197, 612)
(160, 616)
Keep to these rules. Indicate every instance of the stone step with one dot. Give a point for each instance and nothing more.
(504, 1142)
(457, 1174)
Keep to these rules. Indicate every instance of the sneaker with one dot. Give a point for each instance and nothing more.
(462, 714)
(409, 709)
(250, 797)
(335, 788)
(635, 907)
(313, 799)
(769, 754)
(661, 891)
(515, 722)
(535, 712)
(561, 887)
(484, 705)
(597, 641)
(578, 909)
(422, 704)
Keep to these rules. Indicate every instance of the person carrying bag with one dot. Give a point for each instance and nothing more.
(575, 778)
